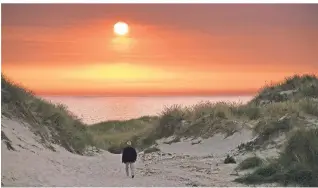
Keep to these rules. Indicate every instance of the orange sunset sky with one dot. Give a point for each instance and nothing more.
(207, 49)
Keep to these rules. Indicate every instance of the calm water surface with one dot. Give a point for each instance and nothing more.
(95, 109)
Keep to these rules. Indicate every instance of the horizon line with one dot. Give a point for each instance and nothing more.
(150, 95)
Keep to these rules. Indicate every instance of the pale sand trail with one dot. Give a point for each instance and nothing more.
(33, 165)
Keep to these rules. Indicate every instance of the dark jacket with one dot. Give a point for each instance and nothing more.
(129, 155)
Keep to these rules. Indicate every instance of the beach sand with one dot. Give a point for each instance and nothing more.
(177, 164)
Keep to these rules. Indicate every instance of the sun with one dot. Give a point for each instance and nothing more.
(121, 28)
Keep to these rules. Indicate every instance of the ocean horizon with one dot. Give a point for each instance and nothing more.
(94, 109)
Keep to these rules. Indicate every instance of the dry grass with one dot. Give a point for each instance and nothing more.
(251, 162)
(204, 119)
(113, 135)
(53, 123)
(296, 165)
(294, 87)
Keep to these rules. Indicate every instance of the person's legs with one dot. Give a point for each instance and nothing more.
(127, 168)
(132, 169)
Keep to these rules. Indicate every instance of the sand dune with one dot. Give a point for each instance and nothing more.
(190, 162)
(178, 164)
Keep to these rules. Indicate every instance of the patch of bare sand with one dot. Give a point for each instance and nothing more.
(218, 145)
(30, 164)
(179, 164)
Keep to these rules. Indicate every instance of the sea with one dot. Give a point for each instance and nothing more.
(96, 109)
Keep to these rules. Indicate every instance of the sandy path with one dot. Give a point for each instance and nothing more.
(194, 171)
(33, 165)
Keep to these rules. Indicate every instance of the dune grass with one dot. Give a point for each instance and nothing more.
(53, 123)
(285, 105)
(249, 163)
(197, 120)
(296, 165)
(309, 106)
(203, 119)
(206, 119)
(269, 128)
(293, 87)
(113, 135)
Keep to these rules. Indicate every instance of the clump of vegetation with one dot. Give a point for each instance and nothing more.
(290, 99)
(249, 163)
(229, 159)
(250, 111)
(206, 119)
(113, 135)
(203, 119)
(272, 128)
(296, 165)
(53, 123)
(170, 120)
(295, 87)
(309, 106)
(213, 110)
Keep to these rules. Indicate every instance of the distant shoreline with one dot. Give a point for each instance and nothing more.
(150, 96)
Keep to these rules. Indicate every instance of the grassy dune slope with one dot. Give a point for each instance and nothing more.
(293, 88)
(289, 108)
(53, 123)
(297, 164)
(205, 119)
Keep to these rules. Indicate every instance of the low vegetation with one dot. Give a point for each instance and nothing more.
(251, 162)
(53, 123)
(229, 159)
(203, 119)
(206, 119)
(296, 165)
(277, 109)
(293, 88)
(113, 135)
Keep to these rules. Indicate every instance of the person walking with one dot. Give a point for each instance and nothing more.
(129, 157)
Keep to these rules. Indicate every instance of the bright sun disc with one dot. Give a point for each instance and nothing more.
(121, 28)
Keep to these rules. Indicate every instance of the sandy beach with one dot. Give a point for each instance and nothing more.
(178, 164)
